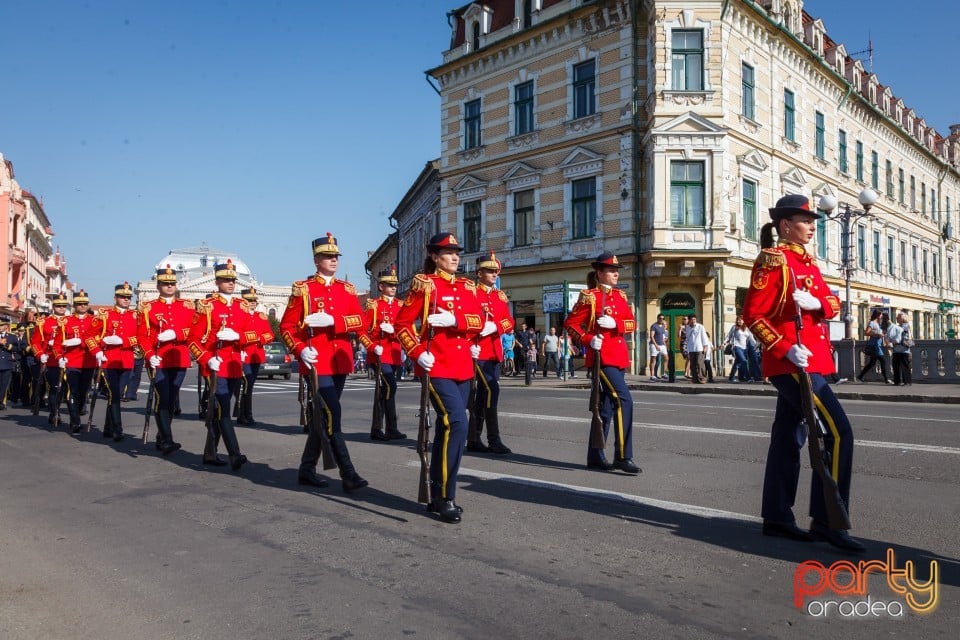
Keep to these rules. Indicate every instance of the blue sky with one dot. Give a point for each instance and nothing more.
(256, 126)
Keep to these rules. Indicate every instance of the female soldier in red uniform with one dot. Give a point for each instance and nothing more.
(450, 317)
(786, 279)
(601, 318)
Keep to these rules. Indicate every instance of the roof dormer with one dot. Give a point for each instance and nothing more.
(813, 34)
(854, 74)
(886, 100)
(873, 83)
(477, 20)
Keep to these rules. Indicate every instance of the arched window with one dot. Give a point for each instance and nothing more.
(476, 36)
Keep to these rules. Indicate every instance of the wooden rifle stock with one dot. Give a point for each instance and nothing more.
(62, 381)
(93, 394)
(38, 386)
(597, 439)
(301, 398)
(820, 459)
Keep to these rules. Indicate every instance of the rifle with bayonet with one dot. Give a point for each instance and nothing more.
(301, 398)
(597, 439)
(820, 457)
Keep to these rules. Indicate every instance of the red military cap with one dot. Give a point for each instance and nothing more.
(444, 240)
(606, 259)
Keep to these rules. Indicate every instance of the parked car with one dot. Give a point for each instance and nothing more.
(279, 362)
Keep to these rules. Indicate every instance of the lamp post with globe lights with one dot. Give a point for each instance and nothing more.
(844, 213)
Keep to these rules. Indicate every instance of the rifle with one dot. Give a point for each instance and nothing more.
(304, 418)
(317, 417)
(423, 433)
(597, 439)
(820, 458)
(377, 423)
(199, 390)
(211, 420)
(59, 397)
(38, 384)
(151, 394)
(92, 395)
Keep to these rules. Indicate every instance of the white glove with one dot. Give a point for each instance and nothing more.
(155, 361)
(488, 327)
(426, 360)
(442, 318)
(319, 319)
(308, 355)
(386, 327)
(596, 342)
(227, 335)
(43, 358)
(806, 301)
(166, 335)
(72, 342)
(799, 355)
(214, 363)
(606, 322)
(474, 351)
(101, 358)
(378, 350)
(62, 362)
(243, 356)
(112, 340)
(50, 342)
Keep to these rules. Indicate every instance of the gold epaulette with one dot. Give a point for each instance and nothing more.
(352, 290)
(503, 297)
(586, 297)
(468, 284)
(421, 283)
(298, 288)
(371, 303)
(144, 307)
(204, 306)
(771, 258)
(263, 315)
(187, 304)
(247, 306)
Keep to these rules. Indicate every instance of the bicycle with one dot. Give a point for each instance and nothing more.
(507, 367)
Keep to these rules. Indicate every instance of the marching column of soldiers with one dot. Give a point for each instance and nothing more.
(450, 326)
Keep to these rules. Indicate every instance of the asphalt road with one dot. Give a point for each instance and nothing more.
(106, 540)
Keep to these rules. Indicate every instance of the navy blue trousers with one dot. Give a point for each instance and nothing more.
(78, 381)
(617, 409)
(449, 399)
(329, 388)
(787, 438)
(117, 381)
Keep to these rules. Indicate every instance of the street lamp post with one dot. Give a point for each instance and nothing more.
(845, 214)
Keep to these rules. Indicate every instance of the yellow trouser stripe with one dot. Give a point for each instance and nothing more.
(446, 441)
(617, 413)
(832, 426)
(478, 372)
(384, 385)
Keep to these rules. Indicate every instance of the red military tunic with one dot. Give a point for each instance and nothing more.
(581, 324)
(449, 345)
(256, 354)
(380, 310)
(114, 322)
(157, 316)
(86, 324)
(769, 310)
(213, 314)
(78, 356)
(496, 309)
(339, 299)
(50, 330)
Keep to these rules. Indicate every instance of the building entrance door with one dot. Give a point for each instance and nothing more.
(675, 307)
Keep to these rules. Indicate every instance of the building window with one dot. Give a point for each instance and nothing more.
(913, 193)
(903, 259)
(686, 193)
(471, 124)
(926, 274)
(900, 186)
(750, 209)
(859, 161)
(471, 226)
(584, 207)
(950, 272)
(748, 91)
(889, 179)
(934, 264)
(933, 204)
(890, 255)
(523, 108)
(862, 247)
(687, 60)
(915, 274)
(842, 149)
(527, 14)
(584, 85)
(875, 170)
(923, 198)
(821, 237)
(789, 116)
(876, 251)
(523, 218)
(476, 36)
(820, 143)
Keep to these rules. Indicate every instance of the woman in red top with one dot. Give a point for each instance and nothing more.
(450, 317)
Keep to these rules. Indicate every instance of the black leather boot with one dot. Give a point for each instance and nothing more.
(349, 477)
(390, 409)
(493, 433)
(210, 447)
(229, 436)
(164, 433)
(474, 428)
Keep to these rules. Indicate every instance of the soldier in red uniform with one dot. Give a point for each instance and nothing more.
(80, 363)
(47, 343)
(88, 366)
(316, 325)
(254, 356)
(600, 319)
(786, 279)
(496, 322)
(450, 318)
(112, 340)
(221, 329)
(380, 340)
(162, 331)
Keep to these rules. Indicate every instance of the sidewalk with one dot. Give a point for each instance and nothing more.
(918, 392)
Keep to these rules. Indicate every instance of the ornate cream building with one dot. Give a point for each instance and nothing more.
(663, 131)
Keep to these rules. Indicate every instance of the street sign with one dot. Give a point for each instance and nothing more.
(553, 297)
(944, 306)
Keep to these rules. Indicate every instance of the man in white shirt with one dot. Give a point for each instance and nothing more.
(696, 343)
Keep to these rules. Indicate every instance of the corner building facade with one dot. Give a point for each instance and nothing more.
(662, 131)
